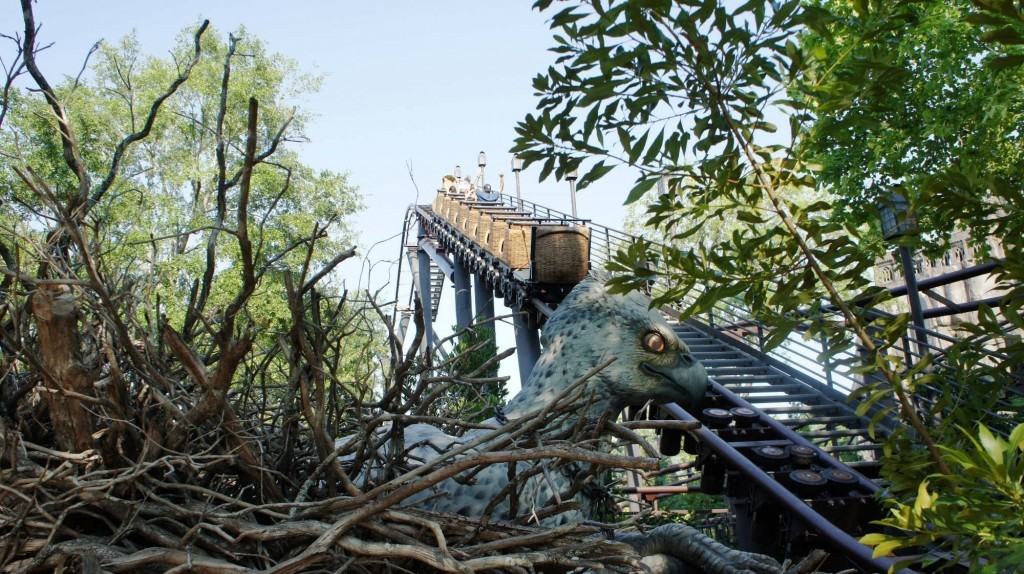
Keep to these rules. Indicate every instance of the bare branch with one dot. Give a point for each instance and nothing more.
(72, 154)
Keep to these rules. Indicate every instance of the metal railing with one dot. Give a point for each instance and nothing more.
(604, 241)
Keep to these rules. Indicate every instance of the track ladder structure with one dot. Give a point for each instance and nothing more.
(795, 462)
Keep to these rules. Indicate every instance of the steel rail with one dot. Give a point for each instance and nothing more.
(858, 553)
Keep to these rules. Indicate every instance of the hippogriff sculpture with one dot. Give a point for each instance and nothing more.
(651, 363)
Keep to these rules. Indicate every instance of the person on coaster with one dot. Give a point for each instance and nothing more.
(465, 188)
(448, 183)
(486, 193)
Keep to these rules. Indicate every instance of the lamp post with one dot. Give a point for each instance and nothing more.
(481, 161)
(517, 166)
(898, 221)
(572, 176)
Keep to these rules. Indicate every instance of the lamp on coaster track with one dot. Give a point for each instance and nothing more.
(481, 162)
(484, 191)
(517, 167)
(572, 176)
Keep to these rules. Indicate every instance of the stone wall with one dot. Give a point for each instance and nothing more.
(961, 255)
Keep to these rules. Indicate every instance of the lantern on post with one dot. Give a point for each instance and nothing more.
(897, 220)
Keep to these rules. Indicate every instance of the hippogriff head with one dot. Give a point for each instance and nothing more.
(652, 363)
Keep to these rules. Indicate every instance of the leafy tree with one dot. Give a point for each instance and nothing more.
(927, 97)
(200, 239)
(161, 222)
(716, 227)
(974, 511)
(916, 99)
(694, 93)
(683, 93)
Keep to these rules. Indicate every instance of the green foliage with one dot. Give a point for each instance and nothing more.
(905, 99)
(775, 128)
(691, 501)
(154, 226)
(1002, 25)
(973, 512)
(473, 399)
(690, 94)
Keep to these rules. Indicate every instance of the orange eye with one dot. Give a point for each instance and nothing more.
(654, 342)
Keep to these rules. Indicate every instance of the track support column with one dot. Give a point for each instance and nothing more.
(527, 344)
(483, 297)
(424, 294)
(914, 297)
(463, 295)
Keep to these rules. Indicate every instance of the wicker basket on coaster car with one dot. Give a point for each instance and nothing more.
(455, 201)
(513, 238)
(465, 211)
(502, 228)
(560, 253)
(445, 194)
(448, 203)
(492, 231)
(443, 202)
(456, 212)
(555, 252)
(481, 230)
(472, 224)
(439, 201)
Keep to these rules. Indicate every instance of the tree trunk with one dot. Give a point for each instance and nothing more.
(56, 313)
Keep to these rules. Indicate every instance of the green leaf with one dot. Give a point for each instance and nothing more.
(655, 149)
(994, 446)
(873, 539)
(924, 499)
(640, 189)
(861, 6)
(886, 548)
(565, 17)
(624, 139)
(1005, 35)
(593, 174)
(1017, 438)
(637, 147)
(749, 217)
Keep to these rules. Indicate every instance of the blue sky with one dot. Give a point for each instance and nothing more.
(425, 83)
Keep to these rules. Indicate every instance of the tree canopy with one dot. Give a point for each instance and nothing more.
(163, 206)
(916, 97)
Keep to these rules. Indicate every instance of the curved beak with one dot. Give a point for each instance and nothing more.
(687, 380)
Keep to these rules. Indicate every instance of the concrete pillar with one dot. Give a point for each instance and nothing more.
(527, 345)
(463, 295)
(483, 298)
(424, 293)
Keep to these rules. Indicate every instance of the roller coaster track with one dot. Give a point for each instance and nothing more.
(780, 441)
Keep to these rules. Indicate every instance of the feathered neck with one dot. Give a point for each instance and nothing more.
(546, 383)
